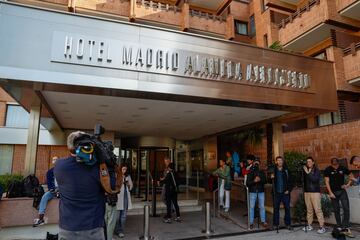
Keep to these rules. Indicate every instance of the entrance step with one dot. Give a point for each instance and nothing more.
(185, 206)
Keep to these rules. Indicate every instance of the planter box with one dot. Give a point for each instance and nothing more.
(19, 212)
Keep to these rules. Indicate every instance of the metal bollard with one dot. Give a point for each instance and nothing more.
(248, 207)
(146, 235)
(208, 229)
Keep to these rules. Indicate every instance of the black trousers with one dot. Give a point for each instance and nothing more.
(171, 199)
(341, 196)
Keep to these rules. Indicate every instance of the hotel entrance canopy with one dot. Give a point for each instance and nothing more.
(76, 63)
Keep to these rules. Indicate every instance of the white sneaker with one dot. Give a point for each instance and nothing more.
(121, 235)
(226, 210)
(321, 230)
(308, 228)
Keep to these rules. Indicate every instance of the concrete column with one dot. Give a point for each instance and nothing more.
(277, 140)
(33, 137)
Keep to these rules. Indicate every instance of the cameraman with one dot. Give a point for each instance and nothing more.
(256, 181)
(82, 201)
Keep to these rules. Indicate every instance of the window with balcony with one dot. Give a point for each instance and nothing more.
(241, 28)
(252, 31)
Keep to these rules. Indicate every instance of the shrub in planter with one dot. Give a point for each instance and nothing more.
(6, 179)
(300, 207)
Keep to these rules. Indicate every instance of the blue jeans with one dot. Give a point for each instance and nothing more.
(278, 199)
(121, 224)
(261, 198)
(44, 201)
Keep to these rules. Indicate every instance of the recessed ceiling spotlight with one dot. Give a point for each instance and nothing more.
(143, 108)
(62, 102)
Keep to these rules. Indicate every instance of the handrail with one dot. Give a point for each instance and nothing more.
(216, 209)
(351, 49)
(301, 10)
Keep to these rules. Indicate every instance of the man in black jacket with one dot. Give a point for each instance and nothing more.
(255, 181)
(312, 195)
(282, 186)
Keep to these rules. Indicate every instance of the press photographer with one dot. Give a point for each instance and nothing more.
(84, 185)
(256, 180)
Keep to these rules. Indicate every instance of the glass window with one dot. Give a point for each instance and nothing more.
(241, 28)
(321, 55)
(16, 116)
(252, 26)
(328, 118)
(6, 157)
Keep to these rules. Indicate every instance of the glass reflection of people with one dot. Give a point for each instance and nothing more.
(223, 172)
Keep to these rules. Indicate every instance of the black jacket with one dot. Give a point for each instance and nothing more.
(287, 179)
(312, 180)
(170, 181)
(256, 186)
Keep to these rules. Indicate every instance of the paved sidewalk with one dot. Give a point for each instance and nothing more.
(297, 234)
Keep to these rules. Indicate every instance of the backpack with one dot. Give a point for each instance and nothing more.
(30, 183)
(15, 189)
(38, 193)
(50, 236)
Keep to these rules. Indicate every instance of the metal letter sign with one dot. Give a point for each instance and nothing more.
(111, 53)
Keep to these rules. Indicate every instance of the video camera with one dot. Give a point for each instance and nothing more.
(90, 149)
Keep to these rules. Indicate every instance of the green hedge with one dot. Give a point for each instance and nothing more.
(6, 179)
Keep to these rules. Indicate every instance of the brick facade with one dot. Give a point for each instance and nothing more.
(322, 143)
(43, 162)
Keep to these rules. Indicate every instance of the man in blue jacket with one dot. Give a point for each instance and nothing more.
(82, 198)
(282, 186)
(52, 192)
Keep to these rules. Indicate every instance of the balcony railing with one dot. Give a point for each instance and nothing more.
(299, 12)
(351, 49)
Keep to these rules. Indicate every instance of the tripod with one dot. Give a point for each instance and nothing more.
(303, 193)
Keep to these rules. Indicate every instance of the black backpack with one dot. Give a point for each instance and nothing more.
(30, 183)
(38, 193)
(50, 236)
(15, 189)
